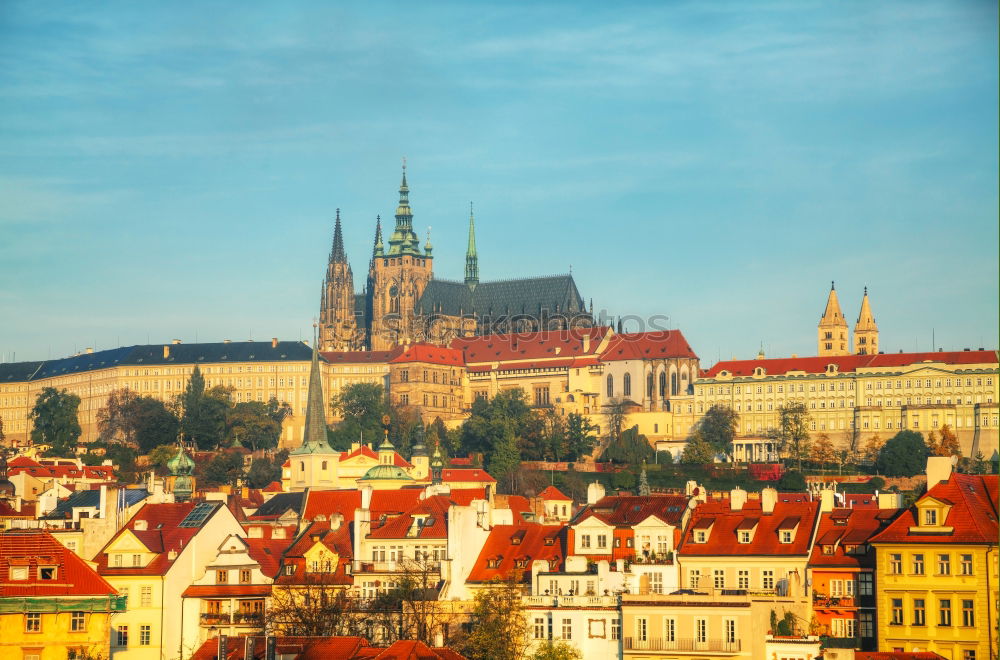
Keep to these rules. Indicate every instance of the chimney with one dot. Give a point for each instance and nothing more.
(890, 500)
(595, 492)
(89, 350)
(175, 341)
(336, 520)
(939, 469)
(768, 498)
(586, 343)
(826, 500)
(737, 498)
(166, 352)
(274, 342)
(366, 497)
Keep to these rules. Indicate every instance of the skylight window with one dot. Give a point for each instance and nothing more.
(199, 514)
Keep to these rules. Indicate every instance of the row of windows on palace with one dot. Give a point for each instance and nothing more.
(675, 386)
(985, 420)
(435, 376)
(542, 628)
(869, 385)
(847, 403)
(430, 401)
(918, 612)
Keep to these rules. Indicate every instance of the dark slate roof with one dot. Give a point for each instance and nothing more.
(152, 354)
(91, 498)
(279, 504)
(530, 295)
(360, 305)
(18, 371)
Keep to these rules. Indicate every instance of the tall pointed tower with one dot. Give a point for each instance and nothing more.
(471, 259)
(832, 332)
(865, 330)
(315, 464)
(396, 279)
(337, 322)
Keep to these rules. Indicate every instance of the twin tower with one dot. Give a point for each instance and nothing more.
(833, 333)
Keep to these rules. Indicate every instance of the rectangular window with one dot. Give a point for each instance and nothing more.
(145, 632)
(895, 563)
(641, 632)
(567, 628)
(221, 577)
(700, 630)
(968, 613)
(919, 612)
(969, 654)
(585, 541)
(122, 636)
(930, 517)
(33, 622)
(694, 577)
(866, 621)
(966, 564)
(602, 541)
(897, 612)
(245, 574)
(918, 563)
(944, 564)
(944, 612)
(616, 628)
(656, 583)
(767, 579)
(670, 630)
(77, 622)
(743, 579)
(137, 560)
(145, 596)
(730, 628)
(539, 627)
(719, 578)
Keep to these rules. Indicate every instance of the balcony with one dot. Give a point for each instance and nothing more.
(588, 601)
(215, 619)
(840, 642)
(689, 645)
(834, 602)
(249, 619)
(407, 564)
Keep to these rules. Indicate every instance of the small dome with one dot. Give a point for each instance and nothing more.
(379, 472)
(181, 463)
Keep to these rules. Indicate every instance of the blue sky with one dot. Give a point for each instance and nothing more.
(171, 170)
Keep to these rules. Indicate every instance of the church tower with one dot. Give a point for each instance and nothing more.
(314, 464)
(471, 259)
(337, 322)
(832, 332)
(396, 279)
(865, 330)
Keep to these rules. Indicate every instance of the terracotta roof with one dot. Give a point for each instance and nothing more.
(336, 540)
(463, 496)
(59, 470)
(553, 493)
(358, 357)
(842, 527)
(344, 502)
(36, 548)
(551, 344)
(628, 510)
(525, 542)
(897, 655)
(406, 650)
(647, 346)
(430, 354)
(519, 505)
(326, 648)
(722, 538)
(273, 487)
(268, 552)
(848, 363)
(466, 475)
(973, 513)
(365, 450)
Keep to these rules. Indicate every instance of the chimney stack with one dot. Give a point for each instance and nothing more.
(166, 352)
(939, 469)
(595, 492)
(768, 498)
(274, 342)
(737, 498)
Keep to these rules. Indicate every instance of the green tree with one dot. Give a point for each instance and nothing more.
(979, 464)
(504, 460)
(159, 456)
(556, 651)
(490, 421)
(224, 468)
(499, 629)
(872, 448)
(153, 423)
(823, 451)
(204, 417)
(55, 421)
(623, 480)
(360, 407)
(792, 481)
(697, 451)
(629, 448)
(556, 441)
(718, 428)
(262, 472)
(253, 424)
(114, 419)
(904, 455)
(792, 433)
(580, 436)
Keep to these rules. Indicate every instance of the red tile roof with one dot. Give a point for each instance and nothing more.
(406, 650)
(522, 542)
(463, 496)
(434, 513)
(336, 540)
(647, 346)
(552, 493)
(344, 502)
(326, 648)
(267, 553)
(973, 513)
(848, 363)
(722, 538)
(466, 475)
(34, 548)
(519, 505)
(430, 354)
(273, 487)
(59, 469)
(544, 345)
(358, 357)
(897, 655)
(629, 510)
(842, 527)
(365, 450)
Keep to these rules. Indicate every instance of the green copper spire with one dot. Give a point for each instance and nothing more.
(314, 434)
(403, 239)
(377, 252)
(471, 260)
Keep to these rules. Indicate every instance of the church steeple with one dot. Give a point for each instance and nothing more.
(314, 432)
(403, 239)
(377, 251)
(471, 259)
(865, 330)
(832, 330)
(337, 251)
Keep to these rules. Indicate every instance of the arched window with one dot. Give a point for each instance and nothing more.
(663, 384)
(302, 466)
(324, 465)
(627, 385)
(649, 385)
(611, 386)
(673, 384)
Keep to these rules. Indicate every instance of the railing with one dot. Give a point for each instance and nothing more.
(833, 601)
(841, 642)
(215, 618)
(682, 644)
(588, 601)
(540, 601)
(249, 618)
(362, 566)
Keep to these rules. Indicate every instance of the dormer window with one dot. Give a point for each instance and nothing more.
(786, 536)
(47, 572)
(930, 517)
(18, 572)
(786, 530)
(828, 549)
(702, 528)
(493, 562)
(745, 536)
(701, 536)
(745, 530)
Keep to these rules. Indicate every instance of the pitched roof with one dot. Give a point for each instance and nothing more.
(267, 553)
(92, 499)
(629, 510)
(722, 538)
(553, 493)
(842, 527)
(647, 346)
(365, 450)
(358, 357)
(466, 475)
(525, 542)
(897, 655)
(345, 501)
(499, 298)
(547, 345)
(973, 513)
(336, 540)
(278, 505)
(59, 470)
(848, 363)
(326, 648)
(36, 548)
(430, 354)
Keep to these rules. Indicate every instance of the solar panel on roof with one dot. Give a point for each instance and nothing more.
(198, 515)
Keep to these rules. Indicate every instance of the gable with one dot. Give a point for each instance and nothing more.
(126, 542)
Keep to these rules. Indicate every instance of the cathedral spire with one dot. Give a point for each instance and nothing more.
(314, 432)
(471, 259)
(865, 330)
(337, 252)
(832, 327)
(377, 251)
(403, 239)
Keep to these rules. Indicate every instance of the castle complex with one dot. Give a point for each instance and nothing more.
(403, 302)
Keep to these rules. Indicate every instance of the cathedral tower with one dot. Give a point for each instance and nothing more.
(396, 279)
(832, 332)
(337, 322)
(865, 330)
(471, 259)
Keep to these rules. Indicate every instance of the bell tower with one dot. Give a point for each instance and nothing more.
(337, 322)
(832, 331)
(865, 330)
